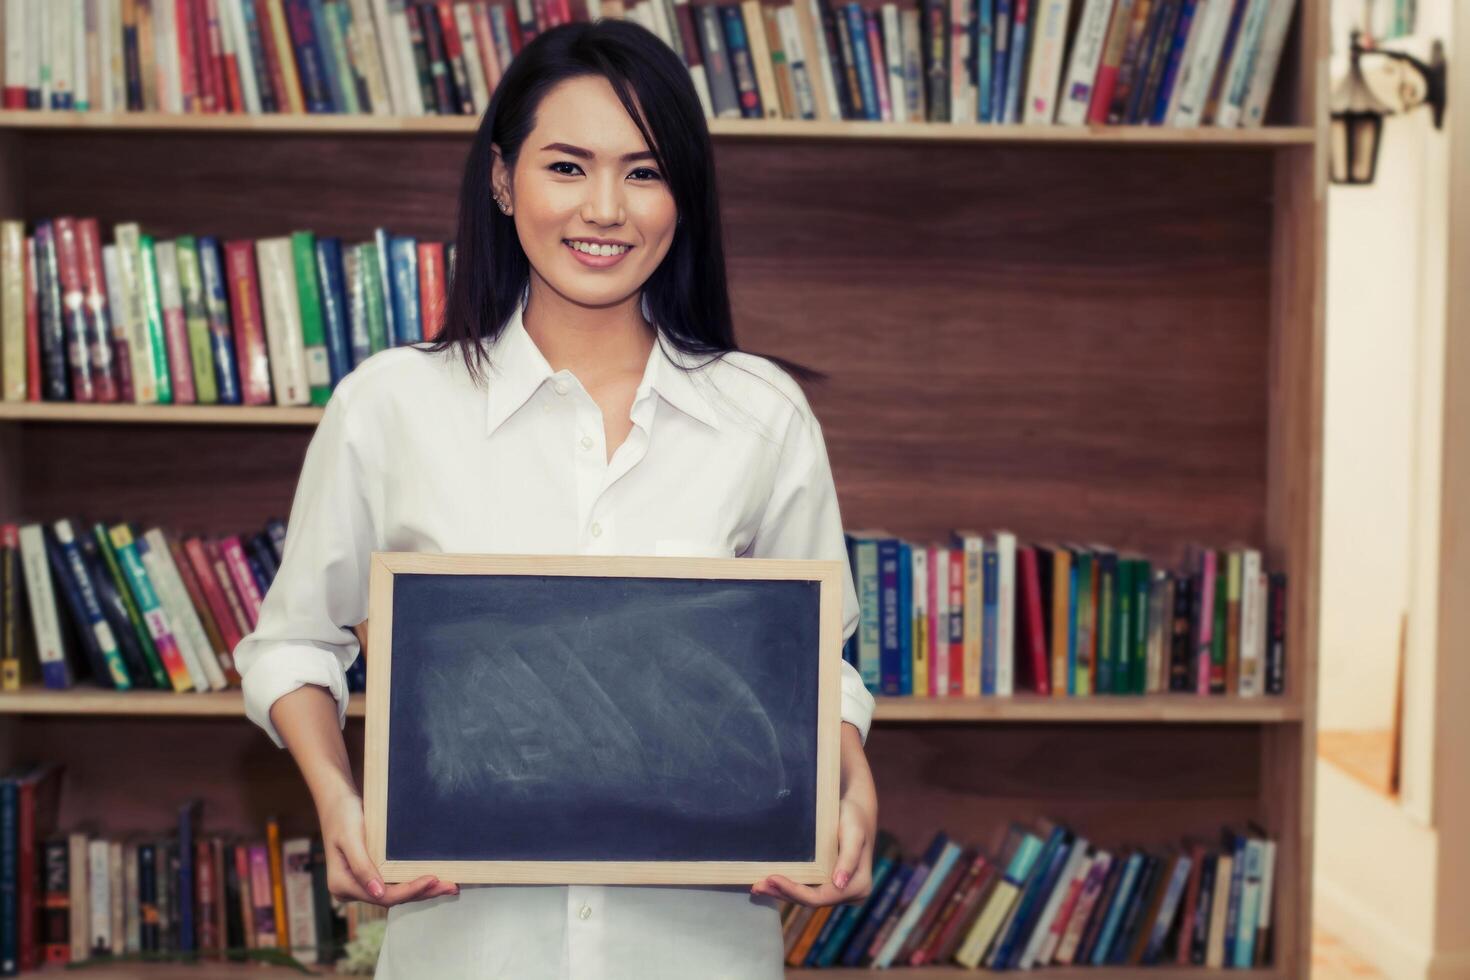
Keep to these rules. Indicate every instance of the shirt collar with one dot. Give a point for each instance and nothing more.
(518, 369)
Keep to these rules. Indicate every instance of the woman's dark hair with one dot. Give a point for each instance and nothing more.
(687, 294)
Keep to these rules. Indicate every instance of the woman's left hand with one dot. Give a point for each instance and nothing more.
(857, 826)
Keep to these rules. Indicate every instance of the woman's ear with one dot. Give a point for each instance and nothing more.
(499, 180)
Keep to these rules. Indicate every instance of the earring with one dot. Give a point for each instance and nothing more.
(502, 205)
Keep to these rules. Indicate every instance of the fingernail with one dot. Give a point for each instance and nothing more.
(375, 888)
(840, 879)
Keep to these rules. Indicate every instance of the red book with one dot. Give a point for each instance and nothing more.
(94, 283)
(219, 91)
(1030, 597)
(208, 98)
(1191, 903)
(942, 898)
(250, 348)
(431, 287)
(227, 585)
(175, 334)
(956, 625)
(188, 36)
(954, 932)
(39, 795)
(513, 28)
(204, 905)
(33, 325)
(86, 381)
(233, 553)
(485, 41)
(454, 55)
(214, 596)
(273, 76)
(195, 588)
(944, 925)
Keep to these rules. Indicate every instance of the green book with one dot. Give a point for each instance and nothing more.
(341, 64)
(1221, 613)
(313, 333)
(1143, 581)
(201, 351)
(372, 287)
(145, 640)
(1107, 614)
(153, 317)
(1084, 638)
(1123, 594)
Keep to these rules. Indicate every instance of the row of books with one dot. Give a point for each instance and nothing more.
(1159, 62)
(67, 896)
(129, 609)
(984, 615)
(193, 320)
(1048, 896)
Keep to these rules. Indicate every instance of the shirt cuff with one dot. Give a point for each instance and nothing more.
(280, 670)
(857, 700)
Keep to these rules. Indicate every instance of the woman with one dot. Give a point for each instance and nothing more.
(584, 397)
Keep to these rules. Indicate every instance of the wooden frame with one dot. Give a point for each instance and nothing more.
(386, 565)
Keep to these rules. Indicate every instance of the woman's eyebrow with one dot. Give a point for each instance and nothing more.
(578, 151)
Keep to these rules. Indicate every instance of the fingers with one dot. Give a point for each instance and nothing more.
(354, 850)
(851, 841)
(427, 886)
(779, 886)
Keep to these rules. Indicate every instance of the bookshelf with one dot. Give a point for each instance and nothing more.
(1100, 334)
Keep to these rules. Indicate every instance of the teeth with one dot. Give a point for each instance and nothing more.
(590, 249)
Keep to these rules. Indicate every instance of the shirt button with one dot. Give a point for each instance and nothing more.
(597, 530)
(561, 387)
(585, 912)
(586, 442)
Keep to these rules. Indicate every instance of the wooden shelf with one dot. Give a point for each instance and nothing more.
(438, 126)
(163, 414)
(1171, 709)
(230, 971)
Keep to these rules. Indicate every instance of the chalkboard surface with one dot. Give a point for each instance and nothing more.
(603, 720)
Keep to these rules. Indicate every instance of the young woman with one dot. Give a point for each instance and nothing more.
(585, 397)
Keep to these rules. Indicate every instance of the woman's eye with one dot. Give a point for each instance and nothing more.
(645, 173)
(565, 163)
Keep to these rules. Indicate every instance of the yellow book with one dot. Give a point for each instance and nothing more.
(288, 64)
(12, 311)
(1061, 579)
(797, 956)
(278, 883)
(760, 58)
(921, 621)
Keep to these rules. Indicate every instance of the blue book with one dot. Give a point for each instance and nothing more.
(257, 53)
(914, 910)
(1001, 60)
(1143, 890)
(905, 618)
(739, 48)
(1159, 929)
(1015, 82)
(328, 55)
(1250, 899)
(1236, 844)
(989, 632)
(884, 868)
(984, 48)
(188, 825)
(97, 637)
(304, 41)
(384, 240)
(1116, 908)
(217, 306)
(9, 877)
(897, 885)
(1042, 880)
(857, 26)
(890, 647)
(404, 264)
(1171, 70)
(1071, 584)
(334, 307)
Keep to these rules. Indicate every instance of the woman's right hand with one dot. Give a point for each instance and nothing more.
(351, 874)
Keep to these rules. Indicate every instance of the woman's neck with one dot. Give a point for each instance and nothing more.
(588, 341)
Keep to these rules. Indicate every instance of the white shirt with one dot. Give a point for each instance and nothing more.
(411, 455)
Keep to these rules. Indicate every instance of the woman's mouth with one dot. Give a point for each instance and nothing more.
(596, 256)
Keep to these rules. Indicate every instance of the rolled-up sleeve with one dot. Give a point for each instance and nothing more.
(304, 634)
(801, 520)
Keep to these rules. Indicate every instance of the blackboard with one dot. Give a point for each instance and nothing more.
(580, 719)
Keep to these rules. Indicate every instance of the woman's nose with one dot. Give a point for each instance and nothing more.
(604, 203)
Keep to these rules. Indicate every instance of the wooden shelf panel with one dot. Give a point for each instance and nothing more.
(229, 971)
(159, 414)
(1162, 709)
(432, 126)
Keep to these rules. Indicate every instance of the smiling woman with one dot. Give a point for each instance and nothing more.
(584, 396)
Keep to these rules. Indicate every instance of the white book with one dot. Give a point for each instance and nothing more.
(1052, 945)
(168, 84)
(1242, 65)
(117, 897)
(797, 61)
(15, 44)
(381, 37)
(278, 301)
(1273, 39)
(83, 97)
(1196, 28)
(1048, 44)
(117, 305)
(893, 56)
(300, 913)
(63, 50)
(39, 49)
(140, 342)
(1268, 881)
(236, 37)
(474, 67)
(1005, 633)
(170, 614)
(913, 63)
(939, 620)
(962, 93)
(170, 586)
(363, 50)
(824, 59)
(1197, 69)
(116, 69)
(13, 309)
(102, 18)
(41, 597)
(974, 550)
(1087, 51)
(1252, 623)
(403, 58)
(99, 894)
(1042, 941)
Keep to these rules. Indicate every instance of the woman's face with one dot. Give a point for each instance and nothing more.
(591, 207)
